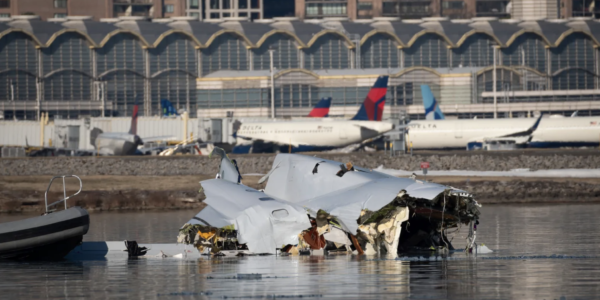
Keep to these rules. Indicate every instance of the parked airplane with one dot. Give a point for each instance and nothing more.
(318, 135)
(120, 143)
(473, 134)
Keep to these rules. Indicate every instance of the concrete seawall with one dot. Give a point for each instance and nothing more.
(196, 165)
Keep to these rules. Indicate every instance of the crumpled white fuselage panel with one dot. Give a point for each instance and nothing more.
(262, 222)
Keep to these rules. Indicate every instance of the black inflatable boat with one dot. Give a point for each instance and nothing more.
(49, 236)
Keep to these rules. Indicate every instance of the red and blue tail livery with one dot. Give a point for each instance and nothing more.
(134, 117)
(372, 108)
(321, 110)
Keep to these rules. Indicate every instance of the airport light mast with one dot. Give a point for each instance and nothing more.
(271, 50)
(494, 49)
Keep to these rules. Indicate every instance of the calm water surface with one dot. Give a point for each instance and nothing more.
(524, 238)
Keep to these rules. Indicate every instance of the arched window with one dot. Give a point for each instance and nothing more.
(575, 51)
(123, 51)
(284, 57)
(528, 49)
(476, 51)
(17, 52)
(68, 51)
(379, 51)
(573, 79)
(328, 52)
(17, 85)
(68, 85)
(429, 50)
(226, 52)
(176, 51)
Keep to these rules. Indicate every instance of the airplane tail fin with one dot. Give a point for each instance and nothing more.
(372, 107)
(432, 108)
(228, 169)
(134, 117)
(321, 110)
(167, 108)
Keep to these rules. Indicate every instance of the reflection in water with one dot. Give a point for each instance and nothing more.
(510, 230)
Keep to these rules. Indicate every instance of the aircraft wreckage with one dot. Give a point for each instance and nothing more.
(312, 204)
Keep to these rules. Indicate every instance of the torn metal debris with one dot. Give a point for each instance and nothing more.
(311, 203)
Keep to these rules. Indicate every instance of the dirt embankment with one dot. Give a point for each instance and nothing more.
(106, 193)
(135, 183)
(261, 163)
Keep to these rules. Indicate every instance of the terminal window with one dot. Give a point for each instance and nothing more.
(365, 5)
(60, 3)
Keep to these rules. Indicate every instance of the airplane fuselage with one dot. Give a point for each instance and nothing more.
(117, 143)
(551, 132)
(319, 134)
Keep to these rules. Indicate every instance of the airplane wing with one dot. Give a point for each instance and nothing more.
(396, 131)
(527, 132)
(158, 138)
(291, 142)
(516, 138)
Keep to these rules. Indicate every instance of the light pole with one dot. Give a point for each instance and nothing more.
(494, 48)
(271, 50)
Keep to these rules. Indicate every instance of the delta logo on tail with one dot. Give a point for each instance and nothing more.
(372, 107)
(321, 110)
(432, 109)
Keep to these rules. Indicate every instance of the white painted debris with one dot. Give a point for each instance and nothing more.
(313, 203)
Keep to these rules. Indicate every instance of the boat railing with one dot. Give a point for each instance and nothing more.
(64, 191)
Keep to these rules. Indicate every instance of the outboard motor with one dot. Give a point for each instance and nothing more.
(134, 250)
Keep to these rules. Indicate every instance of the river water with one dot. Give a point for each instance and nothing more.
(540, 252)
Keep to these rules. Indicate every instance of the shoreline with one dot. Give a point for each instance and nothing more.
(25, 194)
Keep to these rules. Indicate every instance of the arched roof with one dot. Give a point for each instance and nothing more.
(558, 72)
(501, 67)
(149, 31)
(304, 31)
(63, 70)
(96, 31)
(177, 31)
(202, 31)
(69, 30)
(123, 31)
(467, 35)
(403, 31)
(252, 31)
(254, 34)
(42, 31)
(333, 32)
(376, 32)
(417, 68)
(288, 71)
(278, 31)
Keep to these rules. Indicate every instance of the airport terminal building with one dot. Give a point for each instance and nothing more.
(76, 67)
